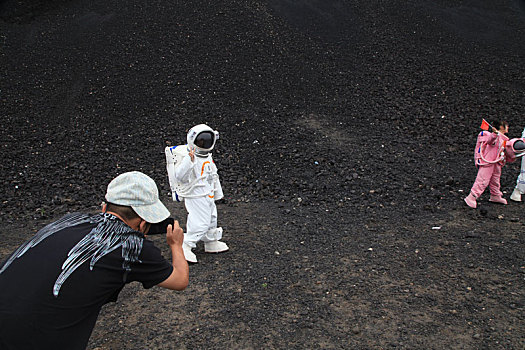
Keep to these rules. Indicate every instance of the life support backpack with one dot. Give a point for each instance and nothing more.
(174, 156)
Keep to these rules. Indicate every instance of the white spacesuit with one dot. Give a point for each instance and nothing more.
(520, 182)
(194, 179)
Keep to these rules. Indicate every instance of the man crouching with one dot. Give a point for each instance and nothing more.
(53, 286)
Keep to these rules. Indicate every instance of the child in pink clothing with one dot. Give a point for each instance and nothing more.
(489, 157)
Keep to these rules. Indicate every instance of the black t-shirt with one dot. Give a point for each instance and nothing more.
(32, 317)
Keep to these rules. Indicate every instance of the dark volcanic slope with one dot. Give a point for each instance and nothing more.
(347, 133)
(321, 100)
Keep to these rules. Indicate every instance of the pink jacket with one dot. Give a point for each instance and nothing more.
(490, 148)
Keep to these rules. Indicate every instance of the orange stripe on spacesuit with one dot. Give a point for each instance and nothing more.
(202, 172)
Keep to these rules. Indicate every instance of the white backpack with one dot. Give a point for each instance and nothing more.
(174, 156)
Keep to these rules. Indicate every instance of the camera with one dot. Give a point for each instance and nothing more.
(161, 227)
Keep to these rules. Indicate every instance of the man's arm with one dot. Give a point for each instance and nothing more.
(179, 278)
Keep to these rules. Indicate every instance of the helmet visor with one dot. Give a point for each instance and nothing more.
(205, 140)
(519, 146)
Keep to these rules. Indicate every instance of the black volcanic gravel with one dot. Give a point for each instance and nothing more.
(347, 131)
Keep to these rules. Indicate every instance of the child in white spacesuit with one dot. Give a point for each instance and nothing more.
(520, 182)
(193, 178)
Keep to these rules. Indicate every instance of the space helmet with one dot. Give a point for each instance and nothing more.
(202, 138)
(515, 148)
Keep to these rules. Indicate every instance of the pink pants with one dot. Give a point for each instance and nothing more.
(488, 175)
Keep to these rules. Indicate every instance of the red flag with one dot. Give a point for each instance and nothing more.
(484, 125)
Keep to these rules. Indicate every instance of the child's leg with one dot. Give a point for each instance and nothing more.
(197, 225)
(494, 184)
(520, 183)
(482, 180)
(214, 233)
(211, 239)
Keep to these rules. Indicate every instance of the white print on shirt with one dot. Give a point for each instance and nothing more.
(109, 234)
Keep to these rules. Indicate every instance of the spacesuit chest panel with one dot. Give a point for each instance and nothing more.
(207, 171)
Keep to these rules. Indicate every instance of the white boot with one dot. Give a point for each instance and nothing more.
(188, 254)
(215, 247)
(516, 195)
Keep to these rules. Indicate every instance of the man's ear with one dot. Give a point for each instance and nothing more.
(143, 226)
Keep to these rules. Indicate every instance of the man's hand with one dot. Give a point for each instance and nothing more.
(174, 235)
(179, 278)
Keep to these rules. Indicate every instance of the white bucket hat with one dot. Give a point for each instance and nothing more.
(138, 191)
